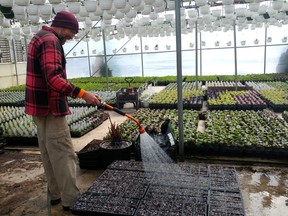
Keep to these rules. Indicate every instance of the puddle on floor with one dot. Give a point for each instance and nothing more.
(264, 190)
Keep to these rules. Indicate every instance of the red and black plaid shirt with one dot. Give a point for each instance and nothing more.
(47, 87)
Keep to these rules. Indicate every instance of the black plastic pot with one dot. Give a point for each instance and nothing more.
(111, 153)
(90, 156)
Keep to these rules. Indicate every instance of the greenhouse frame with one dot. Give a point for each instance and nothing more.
(226, 41)
(196, 90)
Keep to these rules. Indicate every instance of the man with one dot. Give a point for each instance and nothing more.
(46, 91)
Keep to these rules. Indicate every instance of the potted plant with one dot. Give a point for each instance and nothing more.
(114, 147)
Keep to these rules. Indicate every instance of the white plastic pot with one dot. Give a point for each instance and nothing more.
(132, 13)
(119, 15)
(83, 12)
(20, 10)
(192, 13)
(120, 4)
(277, 5)
(38, 2)
(7, 3)
(16, 30)
(105, 4)
(269, 39)
(59, 7)
(153, 15)
(32, 9)
(22, 2)
(26, 30)
(55, 1)
(7, 31)
(93, 17)
(227, 2)
(21, 17)
(171, 5)
(134, 3)
(204, 9)
(159, 9)
(45, 10)
(169, 17)
(35, 28)
(74, 7)
(200, 2)
(149, 2)
(99, 11)
(34, 18)
(146, 10)
(90, 6)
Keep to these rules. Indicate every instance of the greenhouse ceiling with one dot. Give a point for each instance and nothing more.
(143, 18)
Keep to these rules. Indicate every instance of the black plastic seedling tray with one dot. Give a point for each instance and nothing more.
(94, 204)
(125, 188)
(134, 165)
(128, 175)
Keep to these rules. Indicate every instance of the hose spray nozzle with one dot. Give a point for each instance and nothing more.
(141, 129)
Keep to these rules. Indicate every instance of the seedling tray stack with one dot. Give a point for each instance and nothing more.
(137, 189)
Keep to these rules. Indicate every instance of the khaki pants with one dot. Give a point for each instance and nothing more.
(58, 157)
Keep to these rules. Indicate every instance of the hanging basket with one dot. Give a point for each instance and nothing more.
(277, 5)
(7, 31)
(38, 2)
(90, 6)
(22, 2)
(32, 9)
(105, 4)
(55, 1)
(74, 7)
(26, 30)
(120, 4)
(7, 3)
(59, 7)
(19, 10)
(45, 10)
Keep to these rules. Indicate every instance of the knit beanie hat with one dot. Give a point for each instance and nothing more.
(67, 20)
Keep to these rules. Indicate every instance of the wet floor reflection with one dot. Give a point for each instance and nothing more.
(264, 190)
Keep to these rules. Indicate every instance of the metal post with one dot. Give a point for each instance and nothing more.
(235, 54)
(90, 73)
(265, 47)
(15, 61)
(26, 45)
(200, 35)
(179, 79)
(196, 54)
(105, 57)
(142, 64)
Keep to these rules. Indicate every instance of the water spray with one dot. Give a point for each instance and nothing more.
(140, 127)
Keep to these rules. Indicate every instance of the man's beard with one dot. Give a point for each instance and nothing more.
(63, 40)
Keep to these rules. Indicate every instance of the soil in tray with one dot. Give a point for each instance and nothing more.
(135, 190)
(93, 204)
(171, 206)
(133, 165)
(128, 175)
(90, 147)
